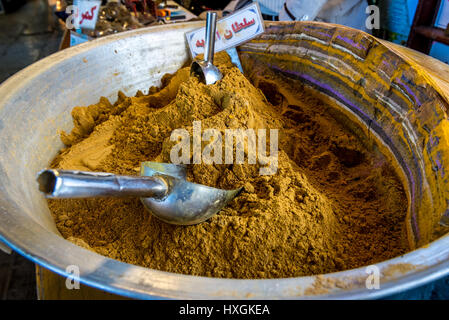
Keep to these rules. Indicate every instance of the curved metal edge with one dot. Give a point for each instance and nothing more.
(23, 76)
(284, 288)
(86, 281)
(403, 282)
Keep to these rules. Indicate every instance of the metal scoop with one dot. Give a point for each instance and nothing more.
(205, 70)
(162, 188)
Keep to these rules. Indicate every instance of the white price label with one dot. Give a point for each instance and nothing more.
(239, 27)
(87, 14)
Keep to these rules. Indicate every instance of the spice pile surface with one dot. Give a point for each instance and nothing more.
(332, 204)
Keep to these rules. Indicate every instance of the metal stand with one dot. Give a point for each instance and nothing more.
(423, 31)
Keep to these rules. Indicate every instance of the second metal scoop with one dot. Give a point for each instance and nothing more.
(205, 70)
(162, 188)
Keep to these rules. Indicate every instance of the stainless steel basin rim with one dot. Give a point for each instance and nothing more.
(25, 224)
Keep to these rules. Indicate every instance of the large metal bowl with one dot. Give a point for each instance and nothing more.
(341, 63)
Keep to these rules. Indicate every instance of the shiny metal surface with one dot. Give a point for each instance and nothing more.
(66, 184)
(170, 198)
(36, 103)
(205, 70)
(185, 203)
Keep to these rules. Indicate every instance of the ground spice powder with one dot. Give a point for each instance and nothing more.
(332, 205)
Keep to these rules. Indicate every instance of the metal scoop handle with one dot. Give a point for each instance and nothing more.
(205, 69)
(211, 27)
(79, 184)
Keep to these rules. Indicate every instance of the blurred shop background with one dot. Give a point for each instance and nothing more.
(33, 29)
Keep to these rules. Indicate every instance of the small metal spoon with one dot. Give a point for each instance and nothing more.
(168, 197)
(205, 70)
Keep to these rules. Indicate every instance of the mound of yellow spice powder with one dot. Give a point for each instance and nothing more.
(332, 205)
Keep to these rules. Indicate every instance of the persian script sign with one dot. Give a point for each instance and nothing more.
(239, 27)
